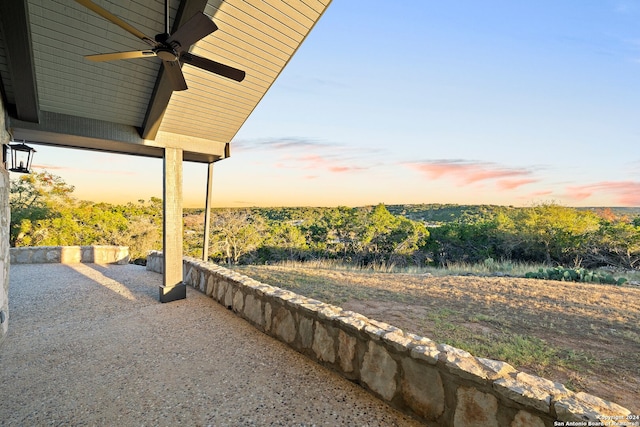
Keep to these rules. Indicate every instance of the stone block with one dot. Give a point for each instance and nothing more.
(422, 389)
(238, 301)
(228, 296)
(496, 368)
(284, 325)
(202, 281)
(209, 287)
(22, 256)
(556, 390)
(329, 312)
(268, 319)
(379, 371)
(70, 254)
(305, 329)
(398, 341)
(311, 307)
(189, 276)
(86, 255)
(52, 255)
(475, 408)
(346, 351)
(283, 294)
(222, 290)
(323, 343)
(253, 310)
(352, 323)
(525, 419)
(428, 353)
(585, 407)
(526, 394)
(463, 364)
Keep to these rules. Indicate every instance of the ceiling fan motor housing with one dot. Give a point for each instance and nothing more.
(166, 53)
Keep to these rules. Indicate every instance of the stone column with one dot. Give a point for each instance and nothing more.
(172, 288)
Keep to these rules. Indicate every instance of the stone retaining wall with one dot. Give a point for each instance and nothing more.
(434, 382)
(70, 254)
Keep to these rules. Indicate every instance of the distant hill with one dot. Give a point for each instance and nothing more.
(442, 213)
(429, 213)
(618, 210)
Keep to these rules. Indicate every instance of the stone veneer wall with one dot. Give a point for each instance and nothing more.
(5, 213)
(69, 254)
(433, 382)
(5, 216)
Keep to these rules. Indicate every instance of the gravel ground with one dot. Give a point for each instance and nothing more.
(90, 344)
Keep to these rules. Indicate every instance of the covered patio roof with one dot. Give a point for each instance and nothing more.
(55, 96)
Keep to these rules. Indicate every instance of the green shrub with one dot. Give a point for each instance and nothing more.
(574, 275)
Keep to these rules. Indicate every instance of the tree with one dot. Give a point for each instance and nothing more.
(284, 238)
(236, 232)
(559, 233)
(34, 197)
(616, 243)
(386, 237)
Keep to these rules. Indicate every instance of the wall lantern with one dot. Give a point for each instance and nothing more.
(21, 157)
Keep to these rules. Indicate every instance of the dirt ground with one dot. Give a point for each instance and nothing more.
(585, 336)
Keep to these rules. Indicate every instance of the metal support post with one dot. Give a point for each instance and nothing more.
(207, 214)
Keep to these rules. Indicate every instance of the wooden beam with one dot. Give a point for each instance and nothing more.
(14, 19)
(90, 134)
(163, 88)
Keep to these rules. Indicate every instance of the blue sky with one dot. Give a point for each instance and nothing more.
(500, 102)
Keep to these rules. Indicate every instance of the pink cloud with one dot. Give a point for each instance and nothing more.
(315, 162)
(511, 184)
(627, 193)
(541, 193)
(340, 168)
(472, 172)
(578, 194)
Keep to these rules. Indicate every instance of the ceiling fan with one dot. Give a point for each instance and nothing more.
(172, 49)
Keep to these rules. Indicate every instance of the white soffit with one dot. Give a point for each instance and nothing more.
(257, 36)
(63, 32)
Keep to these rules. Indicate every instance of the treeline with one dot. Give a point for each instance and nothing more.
(363, 236)
(548, 233)
(45, 213)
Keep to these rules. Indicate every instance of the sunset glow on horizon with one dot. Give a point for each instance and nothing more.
(465, 103)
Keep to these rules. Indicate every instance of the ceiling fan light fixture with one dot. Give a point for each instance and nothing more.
(166, 54)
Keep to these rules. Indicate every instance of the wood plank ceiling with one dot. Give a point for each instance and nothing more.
(126, 105)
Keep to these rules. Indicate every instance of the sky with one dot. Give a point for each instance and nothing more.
(423, 101)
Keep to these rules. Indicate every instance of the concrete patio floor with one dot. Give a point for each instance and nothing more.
(90, 344)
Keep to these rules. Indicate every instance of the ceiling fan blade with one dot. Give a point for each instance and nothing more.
(120, 55)
(174, 72)
(213, 66)
(196, 28)
(119, 22)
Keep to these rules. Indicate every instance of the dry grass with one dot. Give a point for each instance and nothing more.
(586, 336)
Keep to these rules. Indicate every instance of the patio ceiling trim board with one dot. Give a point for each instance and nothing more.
(14, 19)
(92, 134)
